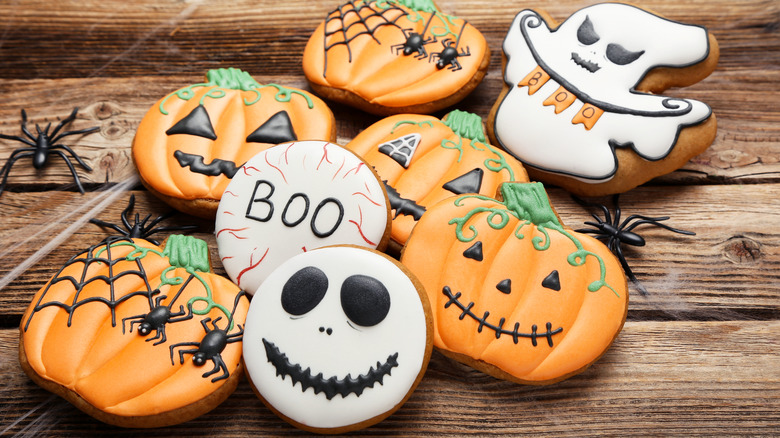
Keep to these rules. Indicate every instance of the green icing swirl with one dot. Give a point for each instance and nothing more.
(185, 252)
(424, 6)
(528, 202)
(233, 79)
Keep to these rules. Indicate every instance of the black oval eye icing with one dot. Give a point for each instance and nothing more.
(365, 300)
(620, 55)
(304, 290)
(586, 33)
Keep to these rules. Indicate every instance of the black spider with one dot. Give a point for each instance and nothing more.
(449, 55)
(613, 232)
(158, 316)
(43, 145)
(210, 348)
(139, 229)
(415, 42)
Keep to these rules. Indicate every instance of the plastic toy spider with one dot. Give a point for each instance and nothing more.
(210, 348)
(614, 233)
(44, 145)
(139, 229)
(157, 318)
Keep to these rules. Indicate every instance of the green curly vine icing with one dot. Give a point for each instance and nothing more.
(185, 252)
(528, 202)
(418, 7)
(233, 79)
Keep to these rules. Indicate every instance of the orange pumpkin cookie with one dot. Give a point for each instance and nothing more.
(395, 56)
(191, 142)
(423, 160)
(514, 293)
(137, 335)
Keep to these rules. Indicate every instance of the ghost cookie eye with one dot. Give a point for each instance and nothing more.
(365, 300)
(304, 291)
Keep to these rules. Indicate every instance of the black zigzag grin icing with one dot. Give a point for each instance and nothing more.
(332, 385)
(498, 329)
(584, 63)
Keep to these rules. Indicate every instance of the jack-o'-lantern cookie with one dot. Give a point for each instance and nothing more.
(581, 105)
(337, 338)
(137, 335)
(514, 292)
(293, 198)
(192, 141)
(423, 160)
(395, 56)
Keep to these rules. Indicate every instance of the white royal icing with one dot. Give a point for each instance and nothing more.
(326, 341)
(292, 198)
(649, 124)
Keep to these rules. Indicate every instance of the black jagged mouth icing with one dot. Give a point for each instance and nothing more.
(584, 63)
(499, 329)
(331, 385)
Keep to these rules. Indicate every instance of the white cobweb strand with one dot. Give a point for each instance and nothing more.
(95, 206)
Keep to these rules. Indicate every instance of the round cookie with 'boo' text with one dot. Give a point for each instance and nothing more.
(337, 338)
(295, 197)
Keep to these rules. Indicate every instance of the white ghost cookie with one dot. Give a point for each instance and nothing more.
(337, 338)
(580, 106)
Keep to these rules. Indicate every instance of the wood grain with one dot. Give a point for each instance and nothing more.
(698, 356)
(664, 378)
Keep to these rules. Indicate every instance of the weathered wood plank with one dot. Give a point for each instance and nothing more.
(164, 38)
(729, 270)
(659, 378)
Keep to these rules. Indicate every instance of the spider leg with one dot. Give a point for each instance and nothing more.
(629, 272)
(116, 228)
(17, 138)
(139, 318)
(182, 344)
(72, 170)
(216, 366)
(214, 323)
(235, 337)
(183, 352)
(184, 315)
(127, 209)
(24, 127)
(9, 164)
(615, 202)
(603, 208)
(80, 131)
(219, 364)
(73, 154)
(639, 216)
(161, 335)
(652, 221)
(65, 121)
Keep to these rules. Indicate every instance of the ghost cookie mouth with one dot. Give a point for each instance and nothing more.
(584, 63)
(331, 385)
(498, 329)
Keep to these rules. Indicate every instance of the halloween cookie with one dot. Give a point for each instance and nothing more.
(293, 198)
(514, 292)
(581, 105)
(423, 160)
(394, 56)
(191, 142)
(137, 335)
(337, 338)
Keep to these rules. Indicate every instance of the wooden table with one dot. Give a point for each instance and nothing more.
(699, 355)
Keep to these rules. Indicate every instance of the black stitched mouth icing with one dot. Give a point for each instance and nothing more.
(584, 63)
(331, 385)
(499, 329)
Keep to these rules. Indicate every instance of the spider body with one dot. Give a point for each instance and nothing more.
(43, 145)
(613, 232)
(449, 55)
(414, 43)
(156, 319)
(210, 348)
(139, 229)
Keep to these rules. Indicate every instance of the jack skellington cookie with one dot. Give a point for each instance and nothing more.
(293, 198)
(337, 338)
(581, 105)
(395, 56)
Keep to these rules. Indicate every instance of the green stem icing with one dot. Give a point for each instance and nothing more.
(418, 7)
(529, 203)
(233, 79)
(465, 124)
(187, 252)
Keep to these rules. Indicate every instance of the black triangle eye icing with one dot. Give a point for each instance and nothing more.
(365, 300)
(552, 281)
(197, 123)
(304, 290)
(277, 129)
(621, 56)
(586, 33)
